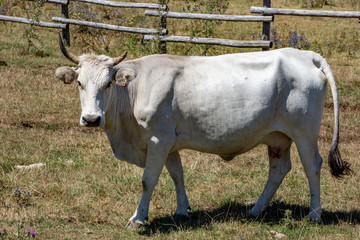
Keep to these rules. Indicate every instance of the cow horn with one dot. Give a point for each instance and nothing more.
(119, 59)
(67, 54)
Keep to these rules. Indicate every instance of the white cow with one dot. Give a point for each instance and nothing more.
(152, 107)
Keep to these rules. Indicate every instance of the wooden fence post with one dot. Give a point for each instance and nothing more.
(266, 25)
(162, 44)
(66, 31)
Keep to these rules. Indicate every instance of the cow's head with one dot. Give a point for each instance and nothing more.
(95, 76)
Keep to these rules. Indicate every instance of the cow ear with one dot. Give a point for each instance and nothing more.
(124, 75)
(66, 74)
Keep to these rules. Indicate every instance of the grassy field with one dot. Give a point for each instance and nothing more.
(83, 192)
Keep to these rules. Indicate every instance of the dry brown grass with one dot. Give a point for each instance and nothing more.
(93, 197)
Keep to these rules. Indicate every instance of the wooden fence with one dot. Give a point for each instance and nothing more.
(213, 17)
(266, 10)
(64, 27)
(64, 21)
(161, 11)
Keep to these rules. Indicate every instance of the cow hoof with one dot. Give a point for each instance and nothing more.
(254, 212)
(180, 218)
(315, 220)
(315, 216)
(133, 225)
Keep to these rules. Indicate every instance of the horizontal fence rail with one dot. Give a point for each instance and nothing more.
(109, 26)
(62, 2)
(299, 12)
(27, 21)
(237, 18)
(125, 4)
(212, 41)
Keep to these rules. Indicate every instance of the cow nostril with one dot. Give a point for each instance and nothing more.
(97, 121)
(91, 120)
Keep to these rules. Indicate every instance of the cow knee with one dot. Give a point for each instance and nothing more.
(278, 172)
(145, 185)
(280, 168)
(318, 164)
(319, 160)
(288, 167)
(314, 169)
(148, 184)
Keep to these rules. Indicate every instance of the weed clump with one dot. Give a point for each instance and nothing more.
(292, 39)
(21, 197)
(33, 13)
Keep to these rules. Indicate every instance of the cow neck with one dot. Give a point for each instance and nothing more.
(119, 112)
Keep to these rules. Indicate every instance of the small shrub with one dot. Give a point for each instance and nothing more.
(33, 12)
(100, 40)
(204, 28)
(97, 39)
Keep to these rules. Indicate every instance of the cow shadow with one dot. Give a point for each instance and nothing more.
(276, 213)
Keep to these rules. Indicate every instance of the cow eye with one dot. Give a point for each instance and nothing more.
(80, 86)
(108, 85)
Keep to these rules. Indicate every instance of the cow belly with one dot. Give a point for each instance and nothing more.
(276, 141)
(227, 121)
(226, 148)
(229, 138)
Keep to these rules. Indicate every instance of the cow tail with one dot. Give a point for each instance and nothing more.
(338, 167)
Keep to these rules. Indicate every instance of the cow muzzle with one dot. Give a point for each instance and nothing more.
(90, 120)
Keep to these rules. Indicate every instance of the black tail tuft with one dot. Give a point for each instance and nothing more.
(338, 167)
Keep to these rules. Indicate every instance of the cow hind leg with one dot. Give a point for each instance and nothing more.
(312, 161)
(279, 166)
(174, 167)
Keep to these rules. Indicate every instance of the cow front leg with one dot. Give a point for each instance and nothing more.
(277, 171)
(155, 160)
(174, 167)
